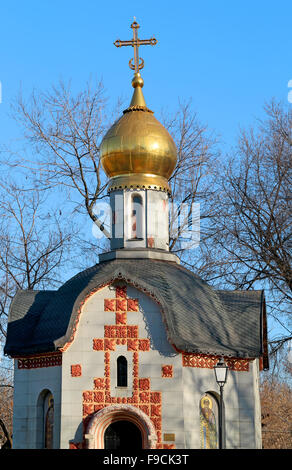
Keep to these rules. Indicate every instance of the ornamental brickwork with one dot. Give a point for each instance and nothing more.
(167, 371)
(43, 360)
(208, 362)
(76, 370)
(143, 397)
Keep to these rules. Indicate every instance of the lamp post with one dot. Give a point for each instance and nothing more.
(221, 378)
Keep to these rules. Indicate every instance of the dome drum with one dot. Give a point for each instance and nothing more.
(138, 181)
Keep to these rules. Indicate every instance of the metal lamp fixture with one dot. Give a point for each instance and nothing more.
(221, 370)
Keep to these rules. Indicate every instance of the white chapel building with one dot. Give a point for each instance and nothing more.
(122, 355)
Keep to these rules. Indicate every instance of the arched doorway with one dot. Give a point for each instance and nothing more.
(102, 420)
(122, 435)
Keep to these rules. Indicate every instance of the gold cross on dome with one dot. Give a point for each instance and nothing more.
(136, 42)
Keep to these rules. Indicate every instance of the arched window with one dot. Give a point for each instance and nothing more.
(209, 422)
(45, 420)
(122, 372)
(136, 217)
(49, 422)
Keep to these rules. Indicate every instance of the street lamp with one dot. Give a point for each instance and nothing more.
(221, 378)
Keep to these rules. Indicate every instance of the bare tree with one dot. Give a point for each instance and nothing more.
(276, 407)
(65, 129)
(6, 407)
(253, 223)
(33, 250)
(192, 182)
(33, 246)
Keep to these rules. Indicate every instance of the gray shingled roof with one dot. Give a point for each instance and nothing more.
(198, 317)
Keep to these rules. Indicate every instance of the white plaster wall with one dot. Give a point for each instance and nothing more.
(162, 353)
(117, 211)
(241, 403)
(91, 325)
(257, 401)
(28, 384)
(157, 218)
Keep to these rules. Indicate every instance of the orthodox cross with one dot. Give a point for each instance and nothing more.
(136, 42)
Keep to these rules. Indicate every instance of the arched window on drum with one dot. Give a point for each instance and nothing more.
(136, 217)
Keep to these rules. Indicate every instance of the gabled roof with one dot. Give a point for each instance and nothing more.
(198, 318)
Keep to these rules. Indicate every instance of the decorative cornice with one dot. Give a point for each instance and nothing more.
(205, 361)
(137, 108)
(41, 360)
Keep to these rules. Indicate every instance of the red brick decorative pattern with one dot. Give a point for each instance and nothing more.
(143, 397)
(98, 344)
(99, 384)
(76, 370)
(121, 331)
(144, 344)
(121, 291)
(109, 305)
(144, 384)
(133, 305)
(121, 334)
(121, 318)
(167, 371)
(206, 361)
(35, 362)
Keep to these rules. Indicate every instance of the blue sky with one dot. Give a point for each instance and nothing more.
(228, 56)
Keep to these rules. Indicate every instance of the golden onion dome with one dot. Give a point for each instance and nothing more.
(137, 151)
